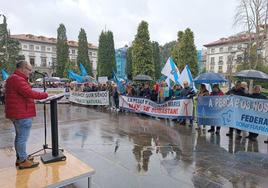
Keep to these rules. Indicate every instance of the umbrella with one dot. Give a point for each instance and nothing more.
(49, 79)
(64, 79)
(252, 74)
(210, 78)
(142, 77)
(89, 79)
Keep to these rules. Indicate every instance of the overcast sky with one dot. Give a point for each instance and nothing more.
(209, 19)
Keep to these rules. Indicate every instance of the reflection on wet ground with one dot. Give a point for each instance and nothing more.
(129, 150)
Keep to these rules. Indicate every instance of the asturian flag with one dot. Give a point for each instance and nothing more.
(171, 71)
(4, 74)
(75, 76)
(83, 70)
(186, 75)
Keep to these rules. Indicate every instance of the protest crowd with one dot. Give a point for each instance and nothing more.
(160, 92)
(160, 99)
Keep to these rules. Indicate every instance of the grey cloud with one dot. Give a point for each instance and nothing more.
(209, 19)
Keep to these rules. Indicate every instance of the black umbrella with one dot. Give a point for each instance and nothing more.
(142, 77)
(252, 74)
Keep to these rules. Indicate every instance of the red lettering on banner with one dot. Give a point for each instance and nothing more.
(146, 108)
(134, 106)
(165, 110)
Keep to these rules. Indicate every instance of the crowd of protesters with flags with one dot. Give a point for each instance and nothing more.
(161, 91)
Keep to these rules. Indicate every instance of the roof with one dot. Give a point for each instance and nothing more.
(47, 40)
(240, 37)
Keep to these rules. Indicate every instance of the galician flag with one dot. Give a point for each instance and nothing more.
(171, 71)
(186, 75)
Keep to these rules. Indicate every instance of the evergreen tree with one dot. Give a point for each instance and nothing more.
(156, 59)
(69, 65)
(106, 54)
(142, 55)
(129, 63)
(62, 50)
(9, 48)
(83, 52)
(185, 52)
(165, 51)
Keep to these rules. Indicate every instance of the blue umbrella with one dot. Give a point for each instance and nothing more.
(210, 78)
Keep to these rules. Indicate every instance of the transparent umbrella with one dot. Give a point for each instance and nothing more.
(142, 77)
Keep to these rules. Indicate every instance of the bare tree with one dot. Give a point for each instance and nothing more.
(252, 15)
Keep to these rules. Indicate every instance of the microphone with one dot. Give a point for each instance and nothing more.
(36, 72)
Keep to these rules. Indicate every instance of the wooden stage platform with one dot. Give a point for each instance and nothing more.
(47, 175)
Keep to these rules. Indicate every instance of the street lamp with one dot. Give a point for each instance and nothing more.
(230, 67)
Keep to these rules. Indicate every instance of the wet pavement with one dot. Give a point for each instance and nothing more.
(129, 150)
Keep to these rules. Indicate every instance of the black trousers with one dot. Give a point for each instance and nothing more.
(253, 135)
(213, 128)
(238, 131)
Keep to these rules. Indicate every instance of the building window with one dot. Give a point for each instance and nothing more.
(32, 60)
(90, 53)
(212, 60)
(239, 46)
(48, 49)
(221, 49)
(230, 48)
(43, 48)
(73, 51)
(31, 47)
(25, 46)
(220, 60)
(54, 49)
(220, 69)
(43, 62)
(37, 47)
(212, 50)
(73, 60)
(212, 68)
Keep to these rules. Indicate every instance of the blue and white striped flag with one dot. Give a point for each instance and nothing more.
(186, 75)
(171, 71)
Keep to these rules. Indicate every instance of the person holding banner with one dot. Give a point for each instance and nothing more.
(215, 92)
(187, 93)
(202, 92)
(257, 95)
(237, 90)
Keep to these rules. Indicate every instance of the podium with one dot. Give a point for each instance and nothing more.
(56, 155)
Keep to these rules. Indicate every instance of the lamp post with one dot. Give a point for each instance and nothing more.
(230, 67)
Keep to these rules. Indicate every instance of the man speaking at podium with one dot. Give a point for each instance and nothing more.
(20, 109)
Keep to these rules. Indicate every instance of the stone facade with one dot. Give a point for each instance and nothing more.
(225, 54)
(41, 51)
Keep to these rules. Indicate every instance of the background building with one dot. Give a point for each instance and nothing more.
(41, 51)
(225, 54)
(201, 60)
(121, 60)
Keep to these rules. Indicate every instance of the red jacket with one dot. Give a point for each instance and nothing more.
(220, 93)
(19, 97)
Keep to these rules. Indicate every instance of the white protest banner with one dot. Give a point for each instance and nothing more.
(170, 109)
(102, 79)
(90, 98)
